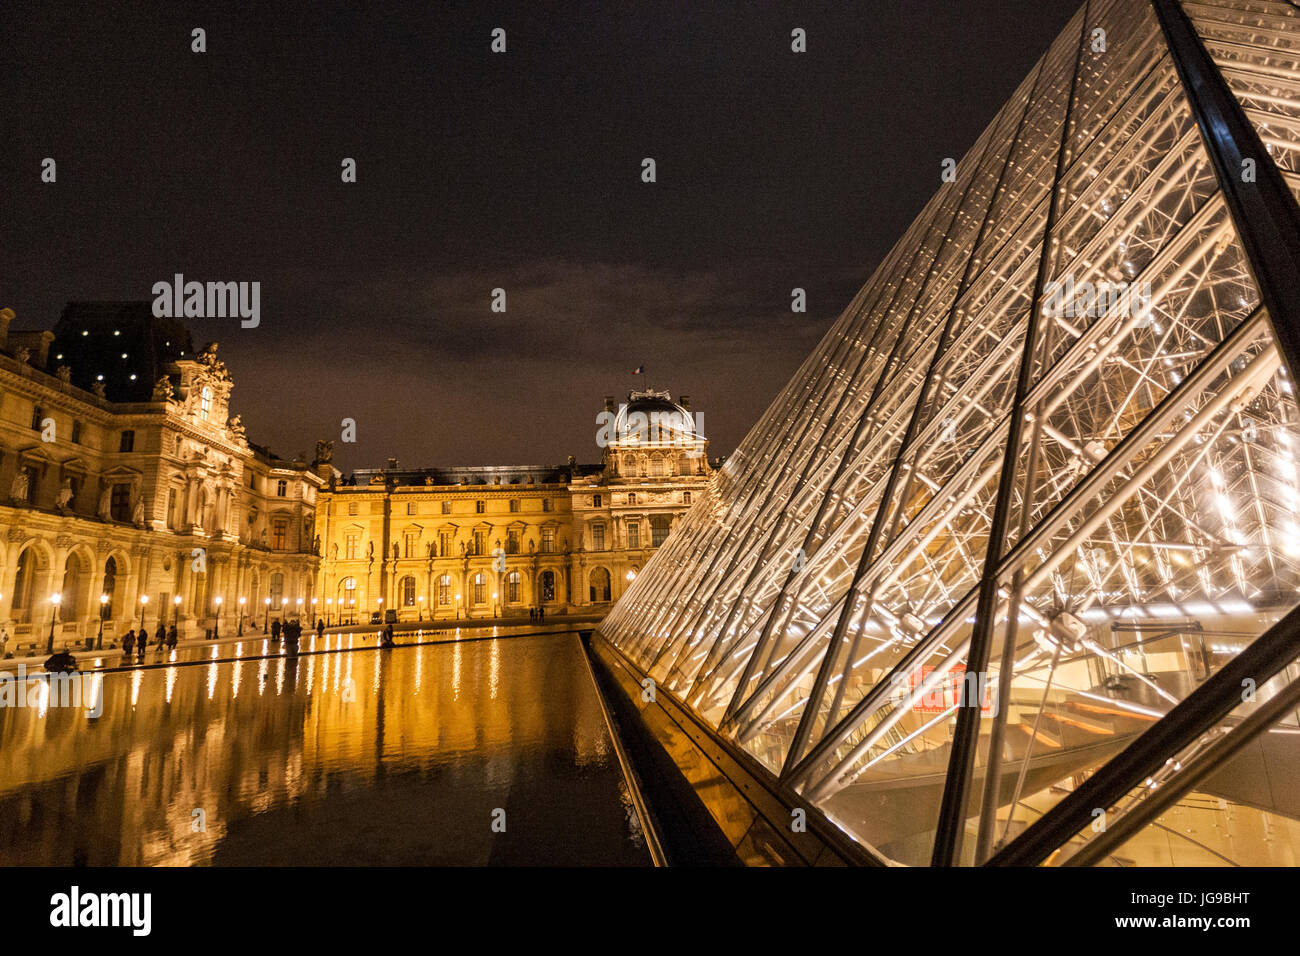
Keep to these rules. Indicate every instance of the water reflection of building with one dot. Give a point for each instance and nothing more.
(371, 756)
(123, 474)
(496, 540)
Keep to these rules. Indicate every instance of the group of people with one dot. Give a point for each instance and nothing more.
(537, 614)
(292, 630)
(164, 637)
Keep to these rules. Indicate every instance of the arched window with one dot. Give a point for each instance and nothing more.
(408, 591)
(73, 579)
(598, 586)
(347, 594)
(480, 589)
(24, 585)
(548, 586)
(110, 585)
(205, 403)
(512, 588)
(444, 589)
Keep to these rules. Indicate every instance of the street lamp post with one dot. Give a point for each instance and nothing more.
(144, 601)
(176, 613)
(103, 609)
(216, 628)
(329, 606)
(55, 599)
(266, 621)
(352, 611)
(419, 608)
(240, 632)
(313, 612)
(299, 609)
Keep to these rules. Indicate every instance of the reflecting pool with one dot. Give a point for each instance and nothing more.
(477, 752)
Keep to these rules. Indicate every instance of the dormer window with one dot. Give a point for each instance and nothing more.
(205, 403)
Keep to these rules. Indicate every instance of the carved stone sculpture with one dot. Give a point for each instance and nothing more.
(19, 488)
(65, 495)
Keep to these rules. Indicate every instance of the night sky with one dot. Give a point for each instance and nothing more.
(478, 170)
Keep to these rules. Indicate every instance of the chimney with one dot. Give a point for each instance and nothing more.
(609, 399)
(685, 402)
(392, 464)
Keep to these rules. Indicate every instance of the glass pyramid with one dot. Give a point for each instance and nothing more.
(1005, 573)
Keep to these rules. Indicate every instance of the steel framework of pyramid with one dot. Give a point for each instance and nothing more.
(837, 607)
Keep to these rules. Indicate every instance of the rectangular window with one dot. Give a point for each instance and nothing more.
(595, 501)
(409, 538)
(548, 540)
(120, 503)
(659, 526)
(512, 541)
(280, 534)
(444, 589)
(548, 504)
(128, 441)
(353, 547)
(444, 543)
(631, 497)
(33, 482)
(411, 508)
(514, 505)
(38, 415)
(480, 542)
(76, 433)
(633, 534)
(686, 497)
(598, 537)
(446, 507)
(281, 488)
(352, 507)
(480, 507)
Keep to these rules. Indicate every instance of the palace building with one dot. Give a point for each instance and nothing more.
(495, 541)
(130, 494)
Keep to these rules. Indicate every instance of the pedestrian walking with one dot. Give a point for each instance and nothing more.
(320, 628)
(275, 629)
(128, 642)
(160, 635)
(171, 637)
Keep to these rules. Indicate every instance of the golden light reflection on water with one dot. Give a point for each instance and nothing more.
(324, 771)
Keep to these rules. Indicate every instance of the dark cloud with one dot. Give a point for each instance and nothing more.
(475, 172)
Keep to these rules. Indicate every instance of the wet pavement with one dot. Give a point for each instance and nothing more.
(480, 750)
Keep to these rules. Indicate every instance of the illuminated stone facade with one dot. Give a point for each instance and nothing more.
(122, 474)
(496, 541)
